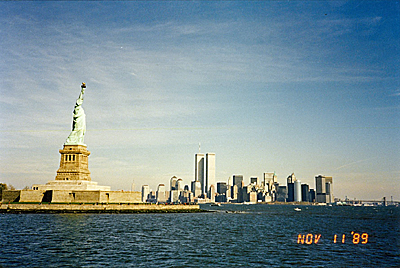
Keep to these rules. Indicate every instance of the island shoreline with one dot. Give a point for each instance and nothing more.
(40, 208)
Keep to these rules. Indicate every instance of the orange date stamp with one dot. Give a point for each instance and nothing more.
(355, 238)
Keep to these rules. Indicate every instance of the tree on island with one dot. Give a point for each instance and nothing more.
(5, 187)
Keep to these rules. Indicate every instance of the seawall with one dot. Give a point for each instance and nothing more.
(16, 208)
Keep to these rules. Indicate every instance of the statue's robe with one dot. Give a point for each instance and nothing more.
(77, 134)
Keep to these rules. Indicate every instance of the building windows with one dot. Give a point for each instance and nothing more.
(70, 157)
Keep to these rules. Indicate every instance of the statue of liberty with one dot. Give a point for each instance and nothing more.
(79, 122)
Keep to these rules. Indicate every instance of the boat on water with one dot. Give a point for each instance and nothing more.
(297, 209)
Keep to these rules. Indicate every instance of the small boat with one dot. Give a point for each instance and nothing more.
(216, 205)
(297, 209)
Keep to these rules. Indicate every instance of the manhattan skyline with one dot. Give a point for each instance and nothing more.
(304, 87)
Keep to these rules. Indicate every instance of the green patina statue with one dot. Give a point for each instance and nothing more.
(79, 122)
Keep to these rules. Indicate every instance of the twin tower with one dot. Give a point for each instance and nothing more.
(204, 175)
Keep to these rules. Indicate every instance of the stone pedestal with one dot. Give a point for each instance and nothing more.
(74, 164)
(73, 174)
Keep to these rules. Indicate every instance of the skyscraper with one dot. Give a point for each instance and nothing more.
(173, 183)
(269, 180)
(297, 191)
(320, 189)
(329, 189)
(199, 170)
(238, 181)
(145, 193)
(235, 191)
(210, 171)
(222, 187)
(305, 195)
(281, 194)
(211, 193)
(160, 196)
(229, 188)
(196, 188)
(290, 192)
(311, 196)
(291, 178)
(179, 185)
(324, 189)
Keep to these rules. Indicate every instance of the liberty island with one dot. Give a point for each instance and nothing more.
(73, 186)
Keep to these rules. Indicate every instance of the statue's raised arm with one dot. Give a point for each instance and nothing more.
(79, 101)
(77, 135)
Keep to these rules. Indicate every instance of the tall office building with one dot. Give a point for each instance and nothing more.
(269, 180)
(329, 189)
(291, 178)
(311, 196)
(199, 170)
(174, 196)
(329, 193)
(173, 183)
(305, 195)
(324, 189)
(237, 187)
(281, 194)
(243, 195)
(179, 185)
(238, 181)
(222, 188)
(145, 193)
(196, 188)
(290, 192)
(320, 184)
(210, 172)
(229, 188)
(297, 191)
(152, 197)
(320, 189)
(235, 191)
(160, 195)
(211, 193)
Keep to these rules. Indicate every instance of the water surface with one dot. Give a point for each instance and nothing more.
(248, 236)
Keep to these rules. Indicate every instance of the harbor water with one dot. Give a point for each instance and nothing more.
(231, 236)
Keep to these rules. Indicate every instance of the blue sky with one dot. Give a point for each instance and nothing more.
(286, 86)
